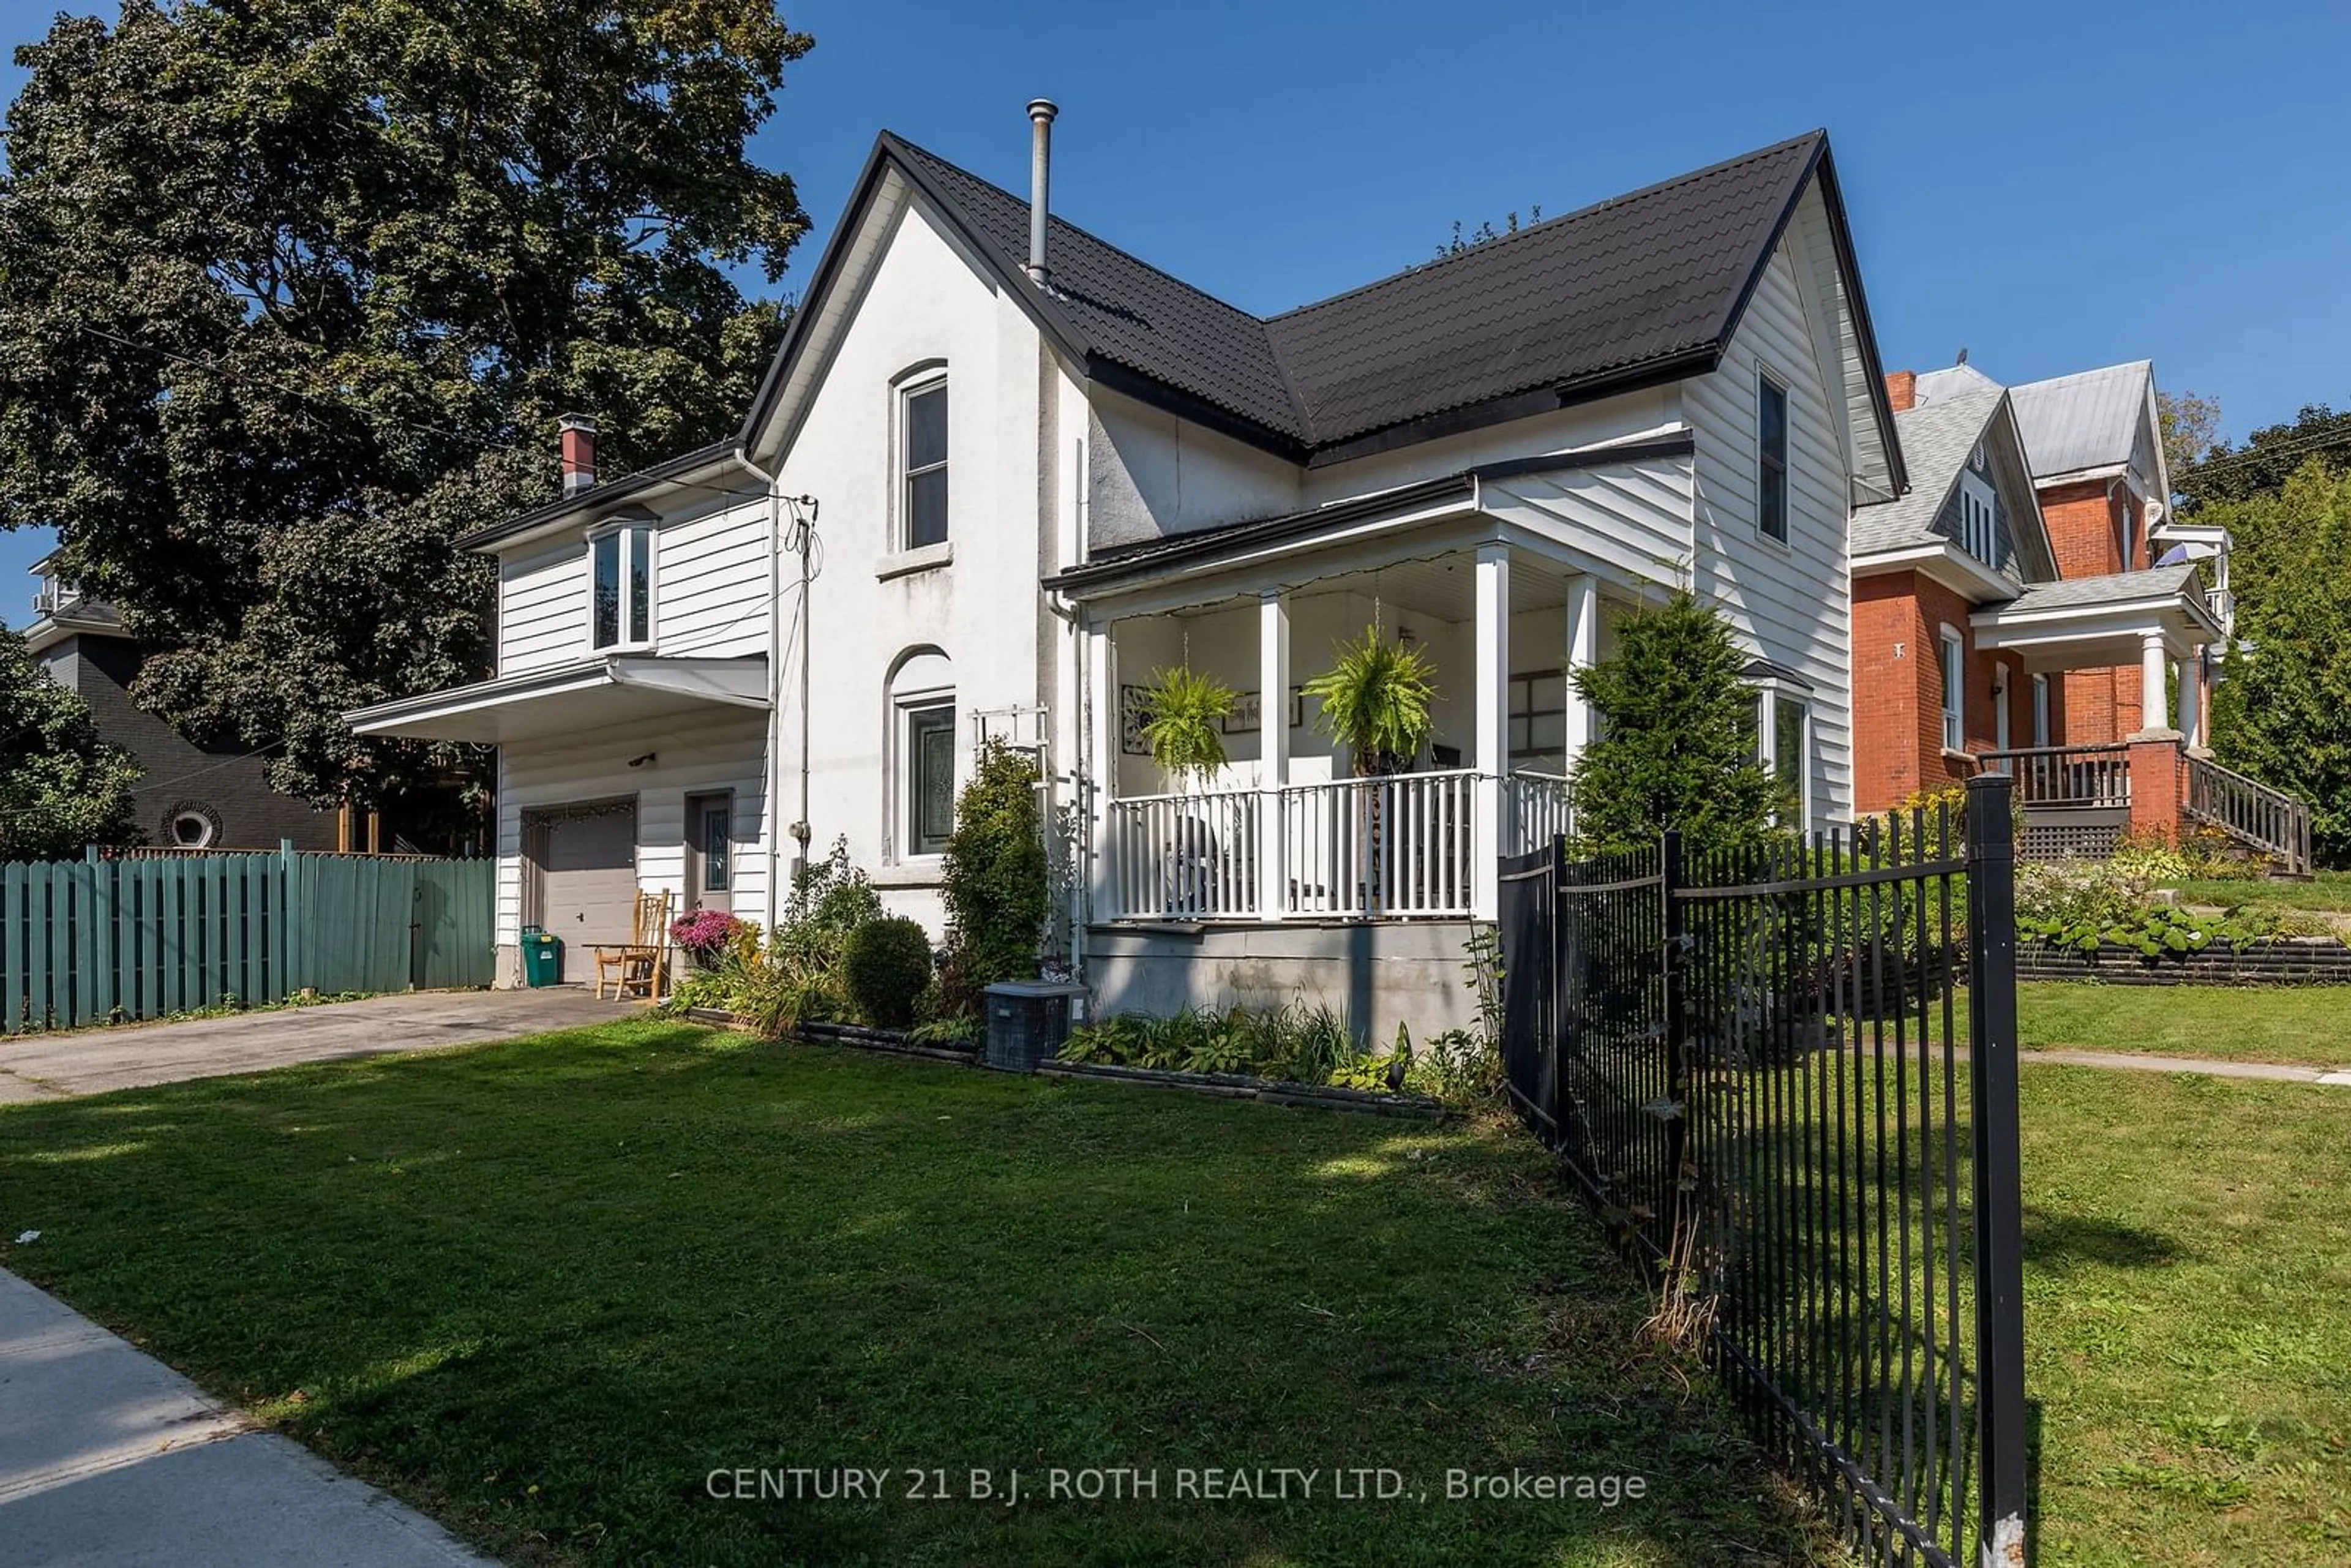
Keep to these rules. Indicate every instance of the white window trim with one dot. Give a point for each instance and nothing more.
(1955, 692)
(902, 554)
(2041, 710)
(1999, 724)
(898, 793)
(1768, 694)
(651, 533)
(1766, 376)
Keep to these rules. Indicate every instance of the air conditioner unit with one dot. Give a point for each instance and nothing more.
(1028, 1022)
(45, 602)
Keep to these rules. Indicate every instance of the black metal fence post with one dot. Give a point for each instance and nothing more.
(1999, 1216)
(1555, 991)
(1677, 1108)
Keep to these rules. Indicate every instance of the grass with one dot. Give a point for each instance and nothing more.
(543, 1289)
(2326, 890)
(2300, 1024)
(2188, 1293)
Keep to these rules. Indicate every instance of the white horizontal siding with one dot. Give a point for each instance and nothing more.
(694, 753)
(1631, 519)
(1791, 603)
(542, 606)
(710, 592)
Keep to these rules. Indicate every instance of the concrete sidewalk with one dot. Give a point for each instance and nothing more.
(107, 1456)
(91, 1060)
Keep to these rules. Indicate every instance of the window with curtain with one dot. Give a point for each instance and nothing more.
(929, 777)
(1955, 660)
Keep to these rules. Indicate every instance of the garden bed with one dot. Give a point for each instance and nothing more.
(2276, 961)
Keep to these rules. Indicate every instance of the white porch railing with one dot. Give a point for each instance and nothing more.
(1395, 846)
(1536, 809)
(1185, 857)
(1400, 847)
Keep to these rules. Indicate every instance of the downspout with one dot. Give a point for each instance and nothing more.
(772, 806)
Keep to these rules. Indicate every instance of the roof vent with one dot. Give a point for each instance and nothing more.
(1040, 179)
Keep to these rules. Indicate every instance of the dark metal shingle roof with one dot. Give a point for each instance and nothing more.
(1648, 279)
(1131, 312)
(1641, 279)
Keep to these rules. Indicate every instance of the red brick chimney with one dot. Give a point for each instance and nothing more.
(1902, 389)
(577, 433)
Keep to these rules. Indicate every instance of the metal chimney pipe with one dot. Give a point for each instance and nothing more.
(1040, 178)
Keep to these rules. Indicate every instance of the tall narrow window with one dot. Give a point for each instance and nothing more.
(1955, 692)
(1771, 442)
(621, 586)
(2040, 710)
(930, 778)
(717, 846)
(1782, 741)
(925, 464)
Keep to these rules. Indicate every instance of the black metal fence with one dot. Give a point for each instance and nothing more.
(1753, 1064)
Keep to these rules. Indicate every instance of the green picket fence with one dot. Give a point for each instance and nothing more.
(94, 941)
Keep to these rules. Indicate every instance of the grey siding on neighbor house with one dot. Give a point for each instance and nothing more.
(178, 773)
(1948, 522)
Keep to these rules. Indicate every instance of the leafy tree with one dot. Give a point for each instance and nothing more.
(2281, 711)
(60, 787)
(290, 295)
(1676, 743)
(1486, 233)
(2269, 457)
(2191, 430)
(996, 882)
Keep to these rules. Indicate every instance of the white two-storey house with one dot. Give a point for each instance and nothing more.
(1022, 469)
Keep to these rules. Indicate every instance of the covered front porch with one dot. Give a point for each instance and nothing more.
(1286, 831)
(2086, 796)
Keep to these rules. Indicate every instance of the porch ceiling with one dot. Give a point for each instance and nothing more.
(1442, 587)
(569, 699)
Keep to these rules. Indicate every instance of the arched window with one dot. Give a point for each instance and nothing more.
(920, 756)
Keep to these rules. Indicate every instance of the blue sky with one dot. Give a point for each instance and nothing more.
(2054, 186)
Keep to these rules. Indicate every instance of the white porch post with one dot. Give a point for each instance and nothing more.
(1100, 876)
(2190, 722)
(1493, 633)
(2152, 658)
(1273, 741)
(1583, 651)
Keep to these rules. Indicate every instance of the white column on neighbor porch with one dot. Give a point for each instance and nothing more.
(2153, 658)
(1492, 721)
(2190, 722)
(1273, 753)
(1583, 651)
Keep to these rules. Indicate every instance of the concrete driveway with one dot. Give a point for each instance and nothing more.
(86, 1061)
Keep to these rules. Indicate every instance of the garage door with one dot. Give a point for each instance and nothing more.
(588, 881)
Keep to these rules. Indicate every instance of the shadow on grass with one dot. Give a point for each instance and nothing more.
(2060, 1242)
(543, 1288)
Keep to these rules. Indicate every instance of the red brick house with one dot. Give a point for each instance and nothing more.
(2023, 606)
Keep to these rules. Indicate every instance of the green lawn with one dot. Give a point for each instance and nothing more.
(543, 1289)
(2326, 890)
(2240, 1023)
(2187, 1298)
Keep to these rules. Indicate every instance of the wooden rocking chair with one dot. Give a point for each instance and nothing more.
(641, 968)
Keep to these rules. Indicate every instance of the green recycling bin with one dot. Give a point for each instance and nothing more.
(542, 957)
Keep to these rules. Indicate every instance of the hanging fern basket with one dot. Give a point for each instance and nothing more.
(1375, 701)
(1184, 723)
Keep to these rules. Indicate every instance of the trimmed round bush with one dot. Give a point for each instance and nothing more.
(886, 966)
